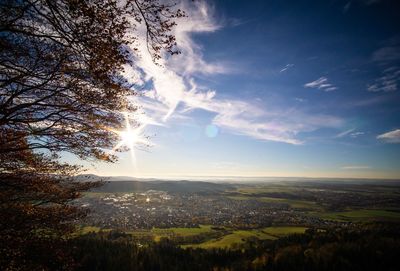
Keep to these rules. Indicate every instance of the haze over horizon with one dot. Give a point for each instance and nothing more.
(272, 89)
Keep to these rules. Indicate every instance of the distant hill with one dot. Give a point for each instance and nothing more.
(129, 184)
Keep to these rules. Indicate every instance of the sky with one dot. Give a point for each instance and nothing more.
(271, 88)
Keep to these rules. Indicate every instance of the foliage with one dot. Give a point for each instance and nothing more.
(61, 90)
(367, 247)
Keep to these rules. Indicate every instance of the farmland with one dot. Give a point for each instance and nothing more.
(229, 215)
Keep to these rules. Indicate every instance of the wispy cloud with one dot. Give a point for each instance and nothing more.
(174, 92)
(274, 125)
(370, 2)
(347, 7)
(321, 83)
(287, 66)
(387, 54)
(350, 133)
(345, 133)
(363, 2)
(368, 101)
(355, 167)
(356, 134)
(390, 137)
(300, 100)
(387, 82)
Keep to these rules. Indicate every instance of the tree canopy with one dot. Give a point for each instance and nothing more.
(62, 90)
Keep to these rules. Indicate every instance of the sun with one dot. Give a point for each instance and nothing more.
(130, 138)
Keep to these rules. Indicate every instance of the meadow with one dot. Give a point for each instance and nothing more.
(231, 238)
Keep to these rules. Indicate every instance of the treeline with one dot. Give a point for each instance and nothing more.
(370, 247)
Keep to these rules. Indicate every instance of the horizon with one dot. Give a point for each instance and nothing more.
(238, 178)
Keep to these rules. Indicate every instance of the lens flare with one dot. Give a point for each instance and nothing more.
(211, 130)
(130, 138)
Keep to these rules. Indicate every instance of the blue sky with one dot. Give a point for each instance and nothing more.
(272, 88)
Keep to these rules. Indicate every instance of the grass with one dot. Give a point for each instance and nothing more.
(295, 204)
(156, 233)
(89, 229)
(234, 238)
(239, 237)
(283, 231)
(360, 215)
(183, 231)
(266, 189)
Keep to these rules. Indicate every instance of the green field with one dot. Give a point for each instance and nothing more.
(234, 238)
(295, 204)
(183, 231)
(282, 231)
(156, 233)
(89, 229)
(359, 215)
(231, 239)
(270, 188)
(239, 237)
(171, 232)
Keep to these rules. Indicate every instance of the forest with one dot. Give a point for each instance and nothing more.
(374, 246)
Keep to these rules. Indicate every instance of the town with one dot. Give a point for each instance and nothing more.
(301, 205)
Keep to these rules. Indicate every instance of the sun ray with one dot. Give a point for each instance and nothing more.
(130, 138)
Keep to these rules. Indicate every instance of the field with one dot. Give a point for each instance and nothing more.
(296, 204)
(359, 215)
(231, 239)
(231, 216)
(182, 232)
(89, 229)
(156, 233)
(282, 231)
(239, 237)
(291, 193)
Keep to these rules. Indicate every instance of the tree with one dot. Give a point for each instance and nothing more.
(61, 90)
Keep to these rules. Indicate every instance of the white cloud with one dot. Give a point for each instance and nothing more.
(356, 134)
(321, 83)
(350, 133)
(175, 93)
(390, 137)
(300, 100)
(132, 75)
(344, 133)
(287, 66)
(387, 82)
(330, 89)
(200, 19)
(316, 83)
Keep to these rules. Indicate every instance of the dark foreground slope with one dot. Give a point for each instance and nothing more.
(368, 247)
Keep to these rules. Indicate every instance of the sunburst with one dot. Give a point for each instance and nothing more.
(130, 138)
